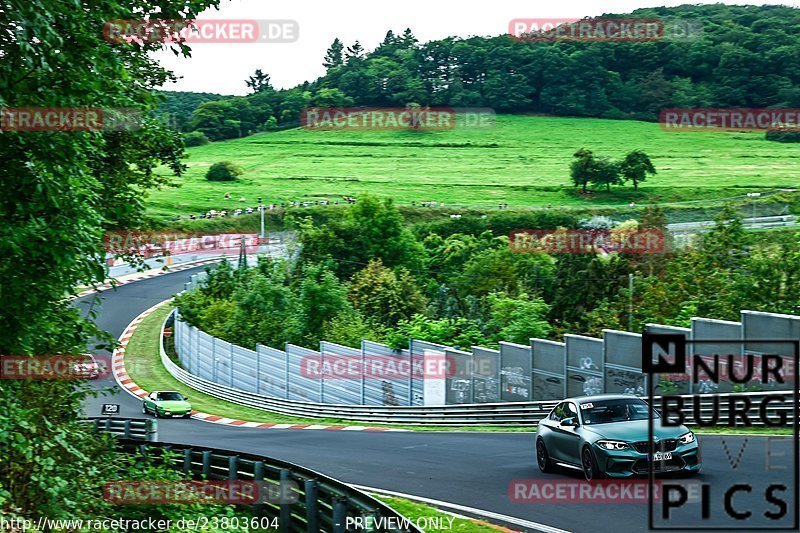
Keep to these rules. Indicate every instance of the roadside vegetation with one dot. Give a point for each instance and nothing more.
(143, 364)
(367, 275)
(61, 191)
(419, 512)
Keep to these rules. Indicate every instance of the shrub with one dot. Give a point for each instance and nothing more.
(195, 138)
(223, 171)
(784, 136)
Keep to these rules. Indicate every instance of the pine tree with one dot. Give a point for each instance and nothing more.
(334, 56)
(259, 81)
(355, 52)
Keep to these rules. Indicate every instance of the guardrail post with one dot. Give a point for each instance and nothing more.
(127, 430)
(151, 430)
(312, 518)
(339, 515)
(187, 461)
(206, 463)
(286, 508)
(96, 424)
(108, 424)
(233, 467)
(258, 477)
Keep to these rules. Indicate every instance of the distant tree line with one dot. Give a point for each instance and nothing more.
(747, 56)
(588, 169)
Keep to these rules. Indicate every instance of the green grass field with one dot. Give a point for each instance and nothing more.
(522, 160)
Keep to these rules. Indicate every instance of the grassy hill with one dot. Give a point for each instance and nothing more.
(522, 161)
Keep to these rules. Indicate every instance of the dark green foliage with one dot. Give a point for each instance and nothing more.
(746, 56)
(195, 138)
(61, 191)
(223, 171)
(176, 107)
(783, 136)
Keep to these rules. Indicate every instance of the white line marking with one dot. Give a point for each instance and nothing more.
(535, 526)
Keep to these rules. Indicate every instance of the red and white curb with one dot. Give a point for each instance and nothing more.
(127, 384)
(153, 274)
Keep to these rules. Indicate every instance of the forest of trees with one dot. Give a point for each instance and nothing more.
(747, 56)
(369, 275)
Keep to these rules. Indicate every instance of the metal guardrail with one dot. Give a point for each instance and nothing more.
(323, 503)
(505, 413)
(139, 429)
(525, 414)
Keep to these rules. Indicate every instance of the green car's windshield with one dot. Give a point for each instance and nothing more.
(620, 410)
(170, 396)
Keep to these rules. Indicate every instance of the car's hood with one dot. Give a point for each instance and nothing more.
(173, 404)
(634, 430)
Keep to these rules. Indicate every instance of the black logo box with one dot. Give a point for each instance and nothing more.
(664, 340)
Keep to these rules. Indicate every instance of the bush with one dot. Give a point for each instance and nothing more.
(784, 136)
(223, 171)
(195, 138)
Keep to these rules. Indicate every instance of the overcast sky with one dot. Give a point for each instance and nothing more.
(222, 68)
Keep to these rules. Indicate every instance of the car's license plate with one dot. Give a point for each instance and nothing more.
(662, 456)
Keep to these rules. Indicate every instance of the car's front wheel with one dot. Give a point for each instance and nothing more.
(144, 409)
(542, 457)
(590, 469)
(155, 411)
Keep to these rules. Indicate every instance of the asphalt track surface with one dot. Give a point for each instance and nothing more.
(471, 469)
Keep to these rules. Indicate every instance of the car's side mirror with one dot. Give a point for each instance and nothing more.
(571, 422)
(185, 397)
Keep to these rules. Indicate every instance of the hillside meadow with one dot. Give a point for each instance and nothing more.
(521, 160)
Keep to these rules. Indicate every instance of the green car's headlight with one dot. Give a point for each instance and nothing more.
(612, 444)
(686, 438)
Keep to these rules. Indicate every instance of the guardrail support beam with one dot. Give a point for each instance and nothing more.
(312, 518)
(187, 461)
(339, 515)
(286, 508)
(206, 463)
(258, 477)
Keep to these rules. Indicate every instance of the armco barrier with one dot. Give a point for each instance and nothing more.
(139, 429)
(503, 413)
(322, 503)
(538, 371)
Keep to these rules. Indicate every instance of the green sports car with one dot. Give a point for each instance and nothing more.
(606, 436)
(167, 404)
